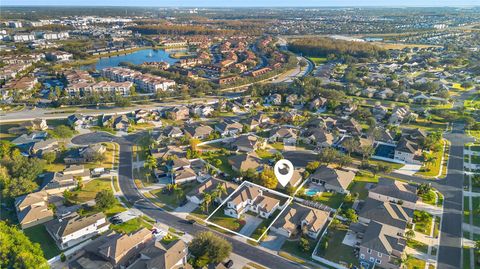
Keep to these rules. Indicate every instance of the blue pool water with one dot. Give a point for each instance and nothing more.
(137, 57)
(311, 192)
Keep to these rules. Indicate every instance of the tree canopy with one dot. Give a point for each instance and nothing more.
(208, 248)
(17, 251)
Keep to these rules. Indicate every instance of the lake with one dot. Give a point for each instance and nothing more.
(137, 57)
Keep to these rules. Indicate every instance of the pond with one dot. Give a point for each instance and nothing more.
(137, 57)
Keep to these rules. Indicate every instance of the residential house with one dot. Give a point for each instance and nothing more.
(274, 99)
(247, 143)
(43, 146)
(202, 110)
(32, 209)
(301, 219)
(160, 256)
(180, 170)
(79, 121)
(291, 99)
(229, 127)
(59, 183)
(379, 112)
(167, 152)
(210, 185)
(387, 213)
(169, 132)
(395, 192)
(85, 154)
(36, 125)
(121, 123)
(199, 131)
(319, 103)
(319, 137)
(74, 229)
(400, 114)
(286, 135)
(333, 179)
(113, 250)
(349, 126)
(383, 246)
(251, 198)
(179, 113)
(346, 109)
(408, 151)
(243, 162)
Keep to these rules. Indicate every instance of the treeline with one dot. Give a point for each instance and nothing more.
(52, 27)
(324, 47)
(178, 30)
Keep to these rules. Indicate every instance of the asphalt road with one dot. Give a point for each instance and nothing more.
(131, 193)
(450, 251)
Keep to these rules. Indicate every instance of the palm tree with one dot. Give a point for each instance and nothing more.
(178, 194)
(171, 187)
(207, 199)
(150, 164)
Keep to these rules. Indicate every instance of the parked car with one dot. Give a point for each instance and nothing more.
(229, 264)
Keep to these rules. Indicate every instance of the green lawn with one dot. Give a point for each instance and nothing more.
(424, 226)
(436, 228)
(131, 226)
(466, 258)
(476, 205)
(264, 154)
(318, 60)
(466, 209)
(224, 165)
(394, 166)
(173, 200)
(360, 182)
(277, 145)
(292, 247)
(227, 222)
(55, 167)
(91, 189)
(417, 245)
(429, 197)
(38, 234)
(414, 263)
(475, 159)
(333, 200)
(336, 251)
(432, 169)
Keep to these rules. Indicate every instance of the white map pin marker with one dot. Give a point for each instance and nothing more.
(283, 171)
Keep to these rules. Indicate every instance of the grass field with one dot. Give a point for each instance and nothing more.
(414, 263)
(424, 226)
(171, 199)
(91, 189)
(333, 200)
(432, 169)
(318, 60)
(292, 247)
(131, 225)
(336, 250)
(38, 234)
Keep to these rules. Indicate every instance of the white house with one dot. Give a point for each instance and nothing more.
(251, 198)
(75, 229)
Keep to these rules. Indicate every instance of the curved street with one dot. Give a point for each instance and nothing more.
(131, 193)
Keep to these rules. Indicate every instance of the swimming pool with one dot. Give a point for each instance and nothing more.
(311, 191)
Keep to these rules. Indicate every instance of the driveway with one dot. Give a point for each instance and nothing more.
(251, 224)
(274, 241)
(189, 207)
(408, 169)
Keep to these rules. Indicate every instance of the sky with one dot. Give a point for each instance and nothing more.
(242, 3)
